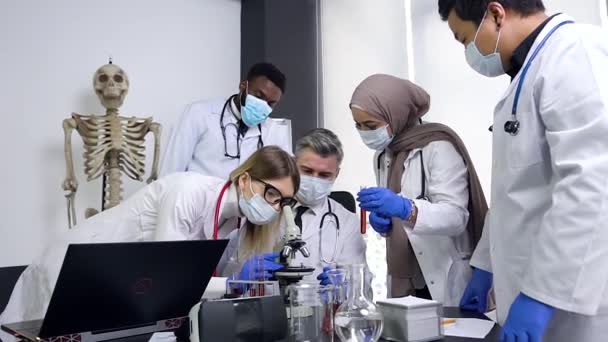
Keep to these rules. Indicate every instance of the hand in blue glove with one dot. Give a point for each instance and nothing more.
(475, 297)
(331, 276)
(260, 267)
(527, 320)
(324, 277)
(381, 224)
(384, 202)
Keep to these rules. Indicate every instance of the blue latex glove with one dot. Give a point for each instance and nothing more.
(381, 224)
(252, 269)
(384, 202)
(475, 297)
(337, 278)
(527, 320)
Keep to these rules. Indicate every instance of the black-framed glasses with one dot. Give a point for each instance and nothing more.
(273, 196)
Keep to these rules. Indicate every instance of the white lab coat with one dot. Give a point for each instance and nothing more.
(197, 144)
(439, 238)
(548, 226)
(177, 207)
(349, 246)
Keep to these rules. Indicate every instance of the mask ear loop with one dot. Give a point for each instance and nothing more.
(497, 40)
(244, 97)
(479, 27)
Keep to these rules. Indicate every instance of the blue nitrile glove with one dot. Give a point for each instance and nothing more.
(475, 297)
(381, 224)
(323, 277)
(384, 202)
(252, 269)
(527, 320)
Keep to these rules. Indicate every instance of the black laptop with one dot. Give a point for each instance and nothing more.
(112, 290)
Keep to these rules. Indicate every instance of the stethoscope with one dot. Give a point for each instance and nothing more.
(422, 195)
(331, 214)
(238, 131)
(512, 126)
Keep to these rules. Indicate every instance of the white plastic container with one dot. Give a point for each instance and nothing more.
(411, 319)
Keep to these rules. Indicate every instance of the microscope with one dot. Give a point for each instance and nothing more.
(292, 272)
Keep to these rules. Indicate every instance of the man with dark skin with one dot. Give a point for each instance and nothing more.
(214, 137)
(545, 242)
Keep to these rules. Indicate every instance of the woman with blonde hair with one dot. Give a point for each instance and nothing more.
(180, 206)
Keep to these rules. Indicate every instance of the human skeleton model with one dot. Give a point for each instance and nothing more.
(112, 143)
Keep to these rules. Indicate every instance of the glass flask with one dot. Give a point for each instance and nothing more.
(358, 319)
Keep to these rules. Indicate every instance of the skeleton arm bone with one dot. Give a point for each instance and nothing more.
(156, 130)
(70, 183)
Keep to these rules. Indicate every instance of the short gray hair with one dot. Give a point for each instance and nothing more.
(323, 142)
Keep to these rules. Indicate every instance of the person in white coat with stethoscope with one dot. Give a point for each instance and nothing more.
(214, 137)
(181, 206)
(429, 202)
(546, 244)
(331, 232)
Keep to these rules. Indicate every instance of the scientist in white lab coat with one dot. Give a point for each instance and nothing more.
(181, 206)
(429, 202)
(214, 137)
(546, 244)
(331, 232)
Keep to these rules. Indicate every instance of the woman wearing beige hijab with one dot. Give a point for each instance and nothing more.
(428, 204)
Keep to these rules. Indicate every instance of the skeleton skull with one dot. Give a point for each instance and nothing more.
(111, 86)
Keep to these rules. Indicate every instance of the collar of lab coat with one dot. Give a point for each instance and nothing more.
(387, 155)
(234, 109)
(318, 209)
(558, 19)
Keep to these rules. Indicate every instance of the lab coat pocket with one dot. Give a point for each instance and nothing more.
(529, 146)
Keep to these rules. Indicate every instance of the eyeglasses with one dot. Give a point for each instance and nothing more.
(273, 196)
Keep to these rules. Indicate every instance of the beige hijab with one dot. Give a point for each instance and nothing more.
(401, 103)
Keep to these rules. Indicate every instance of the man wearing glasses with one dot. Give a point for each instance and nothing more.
(214, 137)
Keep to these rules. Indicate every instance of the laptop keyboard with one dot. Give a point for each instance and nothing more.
(28, 328)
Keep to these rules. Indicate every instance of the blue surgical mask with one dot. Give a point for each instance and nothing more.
(313, 190)
(256, 209)
(255, 111)
(487, 65)
(377, 139)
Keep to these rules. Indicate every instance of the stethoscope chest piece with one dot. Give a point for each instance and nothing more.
(512, 127)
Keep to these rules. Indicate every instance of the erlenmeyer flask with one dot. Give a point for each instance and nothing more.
(358, 319)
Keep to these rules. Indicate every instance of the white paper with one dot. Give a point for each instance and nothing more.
(468, 327)
(492, 315)
(409, 301)
(163, 337)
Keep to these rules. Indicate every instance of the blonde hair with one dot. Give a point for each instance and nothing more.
(268, 163)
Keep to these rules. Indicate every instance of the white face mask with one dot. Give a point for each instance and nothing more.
(313, 190)
(377, 139)
(256, 209)
(488, 65)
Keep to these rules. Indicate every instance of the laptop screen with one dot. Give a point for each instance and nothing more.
(120, 285)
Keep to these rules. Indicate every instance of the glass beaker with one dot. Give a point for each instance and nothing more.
(311, 312)
(358, 319)
(338, 278)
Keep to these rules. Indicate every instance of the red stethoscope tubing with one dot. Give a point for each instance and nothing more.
(216, 216)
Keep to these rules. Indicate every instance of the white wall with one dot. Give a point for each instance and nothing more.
(174, 51)
(360, 38)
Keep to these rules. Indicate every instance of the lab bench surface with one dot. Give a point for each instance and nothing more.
(493, 336)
